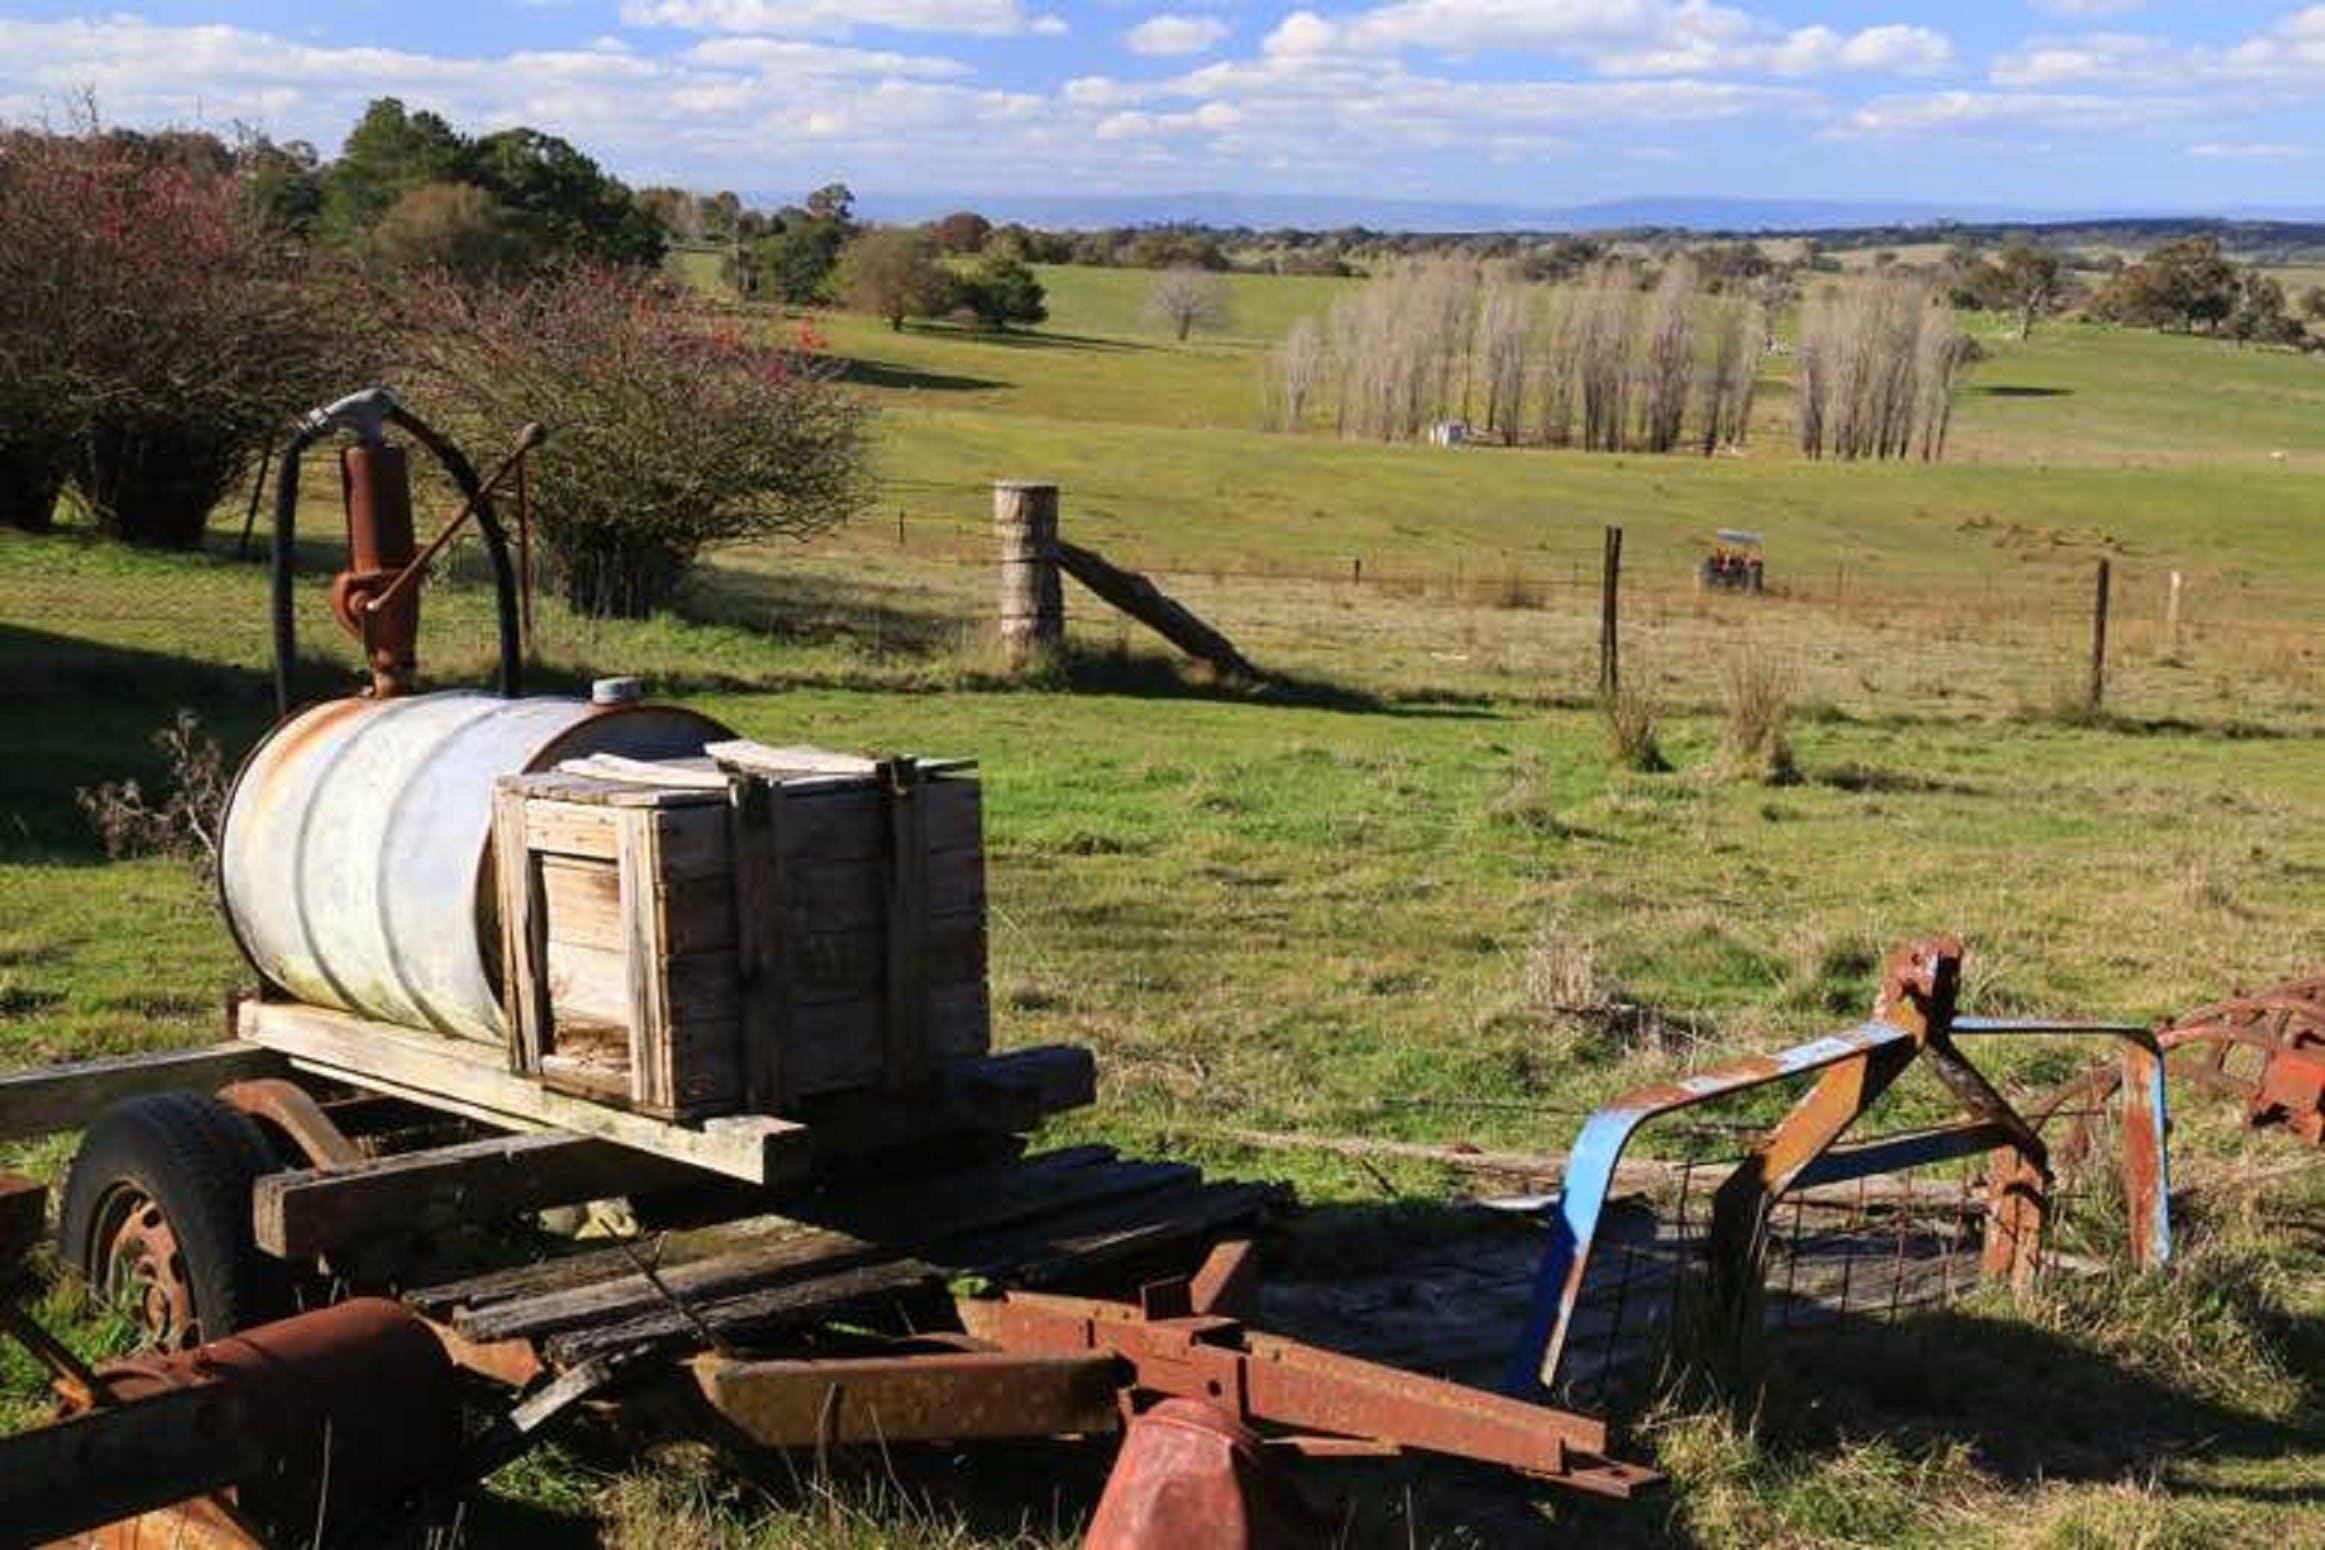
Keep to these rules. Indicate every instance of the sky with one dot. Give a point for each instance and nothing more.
(2148, 105)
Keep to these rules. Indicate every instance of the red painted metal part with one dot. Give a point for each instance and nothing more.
(1190, 1474)
(376, 485)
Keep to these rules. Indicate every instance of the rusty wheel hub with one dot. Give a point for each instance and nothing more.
(145, 1271)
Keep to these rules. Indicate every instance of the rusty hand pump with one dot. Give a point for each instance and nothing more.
(374, 597)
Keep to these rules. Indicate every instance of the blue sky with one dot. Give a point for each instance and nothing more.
(2076, 104)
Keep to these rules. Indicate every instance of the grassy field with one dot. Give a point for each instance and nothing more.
(1381, 900)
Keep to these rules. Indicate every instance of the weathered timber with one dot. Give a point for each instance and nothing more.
(1140, 598)
(950, 1231)
(886, 1210)
(1033, 605)
(301, 1214)
(442, 1073)
(48, 1099)
(815, 1301)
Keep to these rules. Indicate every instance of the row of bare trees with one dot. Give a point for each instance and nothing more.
(1599, 364)
(1608, 365)
(1879, 360)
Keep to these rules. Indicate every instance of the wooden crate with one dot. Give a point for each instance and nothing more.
(696, 938)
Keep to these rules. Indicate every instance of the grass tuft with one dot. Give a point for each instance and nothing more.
(1757, 691)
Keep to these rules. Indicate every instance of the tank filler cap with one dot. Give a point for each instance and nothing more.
(617, 691)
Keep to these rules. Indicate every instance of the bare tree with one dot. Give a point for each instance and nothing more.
(1505, 317)
(1299, 373)
(1186, 299)
(1667, 364)
(1602, 347)
(1878, 363)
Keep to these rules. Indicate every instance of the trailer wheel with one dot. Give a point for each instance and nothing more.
(157, 1217)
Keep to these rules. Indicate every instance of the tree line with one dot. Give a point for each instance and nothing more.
(1604, 362)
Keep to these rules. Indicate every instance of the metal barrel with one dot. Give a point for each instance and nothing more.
(356, 857)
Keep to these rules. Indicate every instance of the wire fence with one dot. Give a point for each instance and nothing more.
(912, 586)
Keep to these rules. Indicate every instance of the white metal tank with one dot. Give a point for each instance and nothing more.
(356, 857)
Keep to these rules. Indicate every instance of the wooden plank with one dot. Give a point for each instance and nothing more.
(570, 829)
(849, 896)
(676, 776)
(519, 883)
(880, 1210)
(299, 1215)
(848, 1235)
(796, 759)
(905, 1059)
(756, 1148)
(1139, 597)
(817, 1300)
(762, 947)
(48, 1099)
(584, 899)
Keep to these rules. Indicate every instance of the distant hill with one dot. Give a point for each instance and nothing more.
(1705, 214)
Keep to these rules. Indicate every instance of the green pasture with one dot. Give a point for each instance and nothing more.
(1383, 897)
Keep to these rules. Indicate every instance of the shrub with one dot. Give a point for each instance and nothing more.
(451, 226)
(163, 329)
(187, 819)
(667, 433)
(1000, 291)
(891, 272)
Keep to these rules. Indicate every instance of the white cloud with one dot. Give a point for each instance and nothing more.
(832, 18)
(2095, 58)
(1167, 34)
(2251, 150)
(1932, 111)
(2089, 9)
(1627, 37)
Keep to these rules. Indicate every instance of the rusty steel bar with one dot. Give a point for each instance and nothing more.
(950, 1396)
(1914, 1017)
(1262, 1379)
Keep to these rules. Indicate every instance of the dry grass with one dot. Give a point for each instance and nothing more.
(1631, 717)
(1757, 691)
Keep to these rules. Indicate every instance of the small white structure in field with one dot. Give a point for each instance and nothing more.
(1448, 433)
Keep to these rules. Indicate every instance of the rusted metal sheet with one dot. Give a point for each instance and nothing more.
(355, 862)
(952, 1396)
(1915, 1018)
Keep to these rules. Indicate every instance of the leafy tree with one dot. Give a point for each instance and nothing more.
(387, 154)
(891, 272)
(1000, 291)
(795, 263)
(2259, 314)
(561, 200)
(282, 183)
(833, 204)
(2025, 281)
(454, 227)
(963, 231)
(2313, 304)
(671, 435)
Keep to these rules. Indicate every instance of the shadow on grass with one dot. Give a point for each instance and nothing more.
(888, 374)
(2016, 390)
(1032, 339)
(2031, 1404)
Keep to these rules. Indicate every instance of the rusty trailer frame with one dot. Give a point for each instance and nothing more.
(1914, 1019)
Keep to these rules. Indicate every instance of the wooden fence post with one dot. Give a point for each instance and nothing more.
(1610, 676)
(2172, 619)
(2099, 638)
(1033, 604)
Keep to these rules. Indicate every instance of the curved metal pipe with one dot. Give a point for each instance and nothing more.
(364, 413)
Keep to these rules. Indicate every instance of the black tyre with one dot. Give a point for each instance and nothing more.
(157, 1217)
